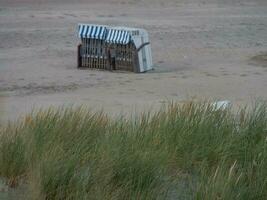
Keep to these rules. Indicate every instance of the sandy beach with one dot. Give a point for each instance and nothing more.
(201, 50)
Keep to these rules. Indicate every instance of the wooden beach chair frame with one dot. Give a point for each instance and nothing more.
(109, 54)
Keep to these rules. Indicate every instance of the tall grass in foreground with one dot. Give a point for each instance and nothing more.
(182, 152)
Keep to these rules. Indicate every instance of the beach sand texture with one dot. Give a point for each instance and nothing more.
(201, 50)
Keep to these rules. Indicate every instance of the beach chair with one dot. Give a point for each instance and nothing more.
(113, 48)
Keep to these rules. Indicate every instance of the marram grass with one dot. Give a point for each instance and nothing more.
(184, 151)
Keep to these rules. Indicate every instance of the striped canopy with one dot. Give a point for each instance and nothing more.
(92, 31)
(118, 36)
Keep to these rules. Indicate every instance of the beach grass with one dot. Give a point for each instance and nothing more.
(188, 151)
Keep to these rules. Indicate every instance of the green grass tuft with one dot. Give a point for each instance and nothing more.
(185, 151)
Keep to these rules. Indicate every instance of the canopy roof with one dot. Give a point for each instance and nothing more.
(118, 36)
(92, 31)
(110, 35)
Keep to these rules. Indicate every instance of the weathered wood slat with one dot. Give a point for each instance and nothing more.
(94, 54)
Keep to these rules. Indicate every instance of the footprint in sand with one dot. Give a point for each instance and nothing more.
(69, 14)
(257, 73)
(225, 74)
(102, 16)
(123, 15)
(211, 75)
(259, 60)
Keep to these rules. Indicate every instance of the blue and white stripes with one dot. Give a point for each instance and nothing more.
(115, 36)
(118, 36)
(91, 31)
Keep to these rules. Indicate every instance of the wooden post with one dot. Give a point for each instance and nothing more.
(108, 58)
(90, 54)
(86, 51)
(79, 61)
(94, 65)
(101, 53)
(82, 48)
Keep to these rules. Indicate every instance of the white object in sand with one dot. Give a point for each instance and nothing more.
(221, 105)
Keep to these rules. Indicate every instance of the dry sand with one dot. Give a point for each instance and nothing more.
(201, 49)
